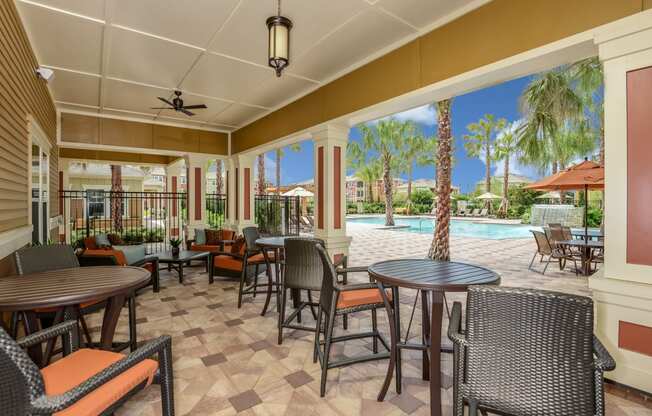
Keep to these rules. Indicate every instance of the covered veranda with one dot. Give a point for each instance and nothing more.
(225, 359)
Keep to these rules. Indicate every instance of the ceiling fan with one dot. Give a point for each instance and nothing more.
(177, 105)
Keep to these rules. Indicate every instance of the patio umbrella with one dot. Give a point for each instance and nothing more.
(585, 175)
(299, 191)
(488, 196)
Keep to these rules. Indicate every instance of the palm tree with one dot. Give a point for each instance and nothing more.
(413, 146)
(480, 142)
(370, 174)
(549, 103)
(506, 145)
(588, 77)
(260, 185)
(219, 183)
(440, 246)
(116, 197)
(280, 152)
(385, 140)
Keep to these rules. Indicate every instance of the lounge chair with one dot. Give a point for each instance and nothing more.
(474, 213)
(484, 212)
(521, 348)
(550, 253)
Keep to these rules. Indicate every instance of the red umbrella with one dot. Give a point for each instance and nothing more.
(585, 175)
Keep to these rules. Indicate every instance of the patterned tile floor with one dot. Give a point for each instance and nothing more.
(227, 361)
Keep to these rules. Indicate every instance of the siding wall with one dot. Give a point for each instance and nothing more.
(23, 95)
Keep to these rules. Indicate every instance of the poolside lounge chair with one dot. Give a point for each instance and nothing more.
(521, 348)
(484, 212)
(474, 213)
(550, 253)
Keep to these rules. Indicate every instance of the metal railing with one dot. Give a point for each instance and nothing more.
(278, 215)
(150, 218)
(215, 210)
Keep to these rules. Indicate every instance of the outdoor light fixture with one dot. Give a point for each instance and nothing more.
(278, 49)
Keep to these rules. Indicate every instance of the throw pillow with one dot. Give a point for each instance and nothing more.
(213, 237)
(102, 240)
(200, 236)
(239, 246)
(89, 243)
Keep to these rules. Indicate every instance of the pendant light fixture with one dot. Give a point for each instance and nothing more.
(278, 49)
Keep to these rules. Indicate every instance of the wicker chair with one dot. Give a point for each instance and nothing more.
(527, 352)
(338, 300)
(550, 253)
(83, 382)
(253, 256)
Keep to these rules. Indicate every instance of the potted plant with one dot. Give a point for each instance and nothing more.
(175, 243)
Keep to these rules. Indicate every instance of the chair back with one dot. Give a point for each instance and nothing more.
(555, 233)
(566, 233)
(329, 280)
(303, 266)
(251, 234)
(526, 346)
(20, 379)
(543, 245)
(42, 258)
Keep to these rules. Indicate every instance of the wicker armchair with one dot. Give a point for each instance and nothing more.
(527, 352)
(253, 256)
(337, 300)
(84, 382)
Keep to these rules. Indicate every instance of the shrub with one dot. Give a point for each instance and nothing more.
(525, 218)
(594, 217)
(422, 197)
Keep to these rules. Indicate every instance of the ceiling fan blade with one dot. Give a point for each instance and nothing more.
(166, 101)
(161, 108)
(195, 106)
(186, 112)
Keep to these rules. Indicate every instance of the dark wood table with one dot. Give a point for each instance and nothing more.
(68, 288)
(184, 258)
(433, 278)
(579, 233)
(586, 248)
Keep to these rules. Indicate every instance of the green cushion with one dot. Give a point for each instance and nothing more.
(102, 240)
(200, 236)
(133, 254)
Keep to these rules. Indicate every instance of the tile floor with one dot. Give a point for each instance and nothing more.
(227, 361)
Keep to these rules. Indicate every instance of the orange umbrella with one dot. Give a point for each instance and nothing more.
(585, 175)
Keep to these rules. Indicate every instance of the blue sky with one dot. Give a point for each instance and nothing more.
(501, 100)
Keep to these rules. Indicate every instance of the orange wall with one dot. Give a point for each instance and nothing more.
(497, 30)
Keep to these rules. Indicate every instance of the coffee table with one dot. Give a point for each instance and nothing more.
(184, 258)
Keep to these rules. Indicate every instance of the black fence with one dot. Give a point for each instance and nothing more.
(278, 215)
(150, 218)
(215, 210)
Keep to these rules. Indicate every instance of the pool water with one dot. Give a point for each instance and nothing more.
(458, 227)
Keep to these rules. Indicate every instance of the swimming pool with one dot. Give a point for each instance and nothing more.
(458, 227)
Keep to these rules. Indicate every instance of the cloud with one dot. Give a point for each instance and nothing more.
(425, 115)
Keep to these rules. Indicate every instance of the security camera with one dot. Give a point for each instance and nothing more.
(45, 73)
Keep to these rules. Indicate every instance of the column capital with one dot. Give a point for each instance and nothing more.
(626, 36)
(331, 132)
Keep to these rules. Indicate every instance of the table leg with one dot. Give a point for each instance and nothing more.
(180, 270)
(270, 282)
(393, 342)
(110, 321)
(435, 352)
(425, 333)
(133, 334)
(30, 322)
(397, 325)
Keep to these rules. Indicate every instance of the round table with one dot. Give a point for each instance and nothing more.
(579, 232)
(274, 244)
(67, 288)
(428, 276)
(586, 247)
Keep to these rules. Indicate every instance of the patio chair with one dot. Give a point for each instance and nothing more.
(484, 212)
(303, 271)
(84, 382)
(337, 300)
(527, 352)
(252, 256)
(550, 253)
(474, 212)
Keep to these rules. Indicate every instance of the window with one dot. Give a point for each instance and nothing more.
(40, 185)
(99, 203)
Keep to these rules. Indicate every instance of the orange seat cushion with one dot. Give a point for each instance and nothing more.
(206, 247)
(227, 262)
(119, 255)
(354, 298)
(70, 371)
(259, 258)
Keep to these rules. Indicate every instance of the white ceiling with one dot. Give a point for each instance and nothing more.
(116, 56)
